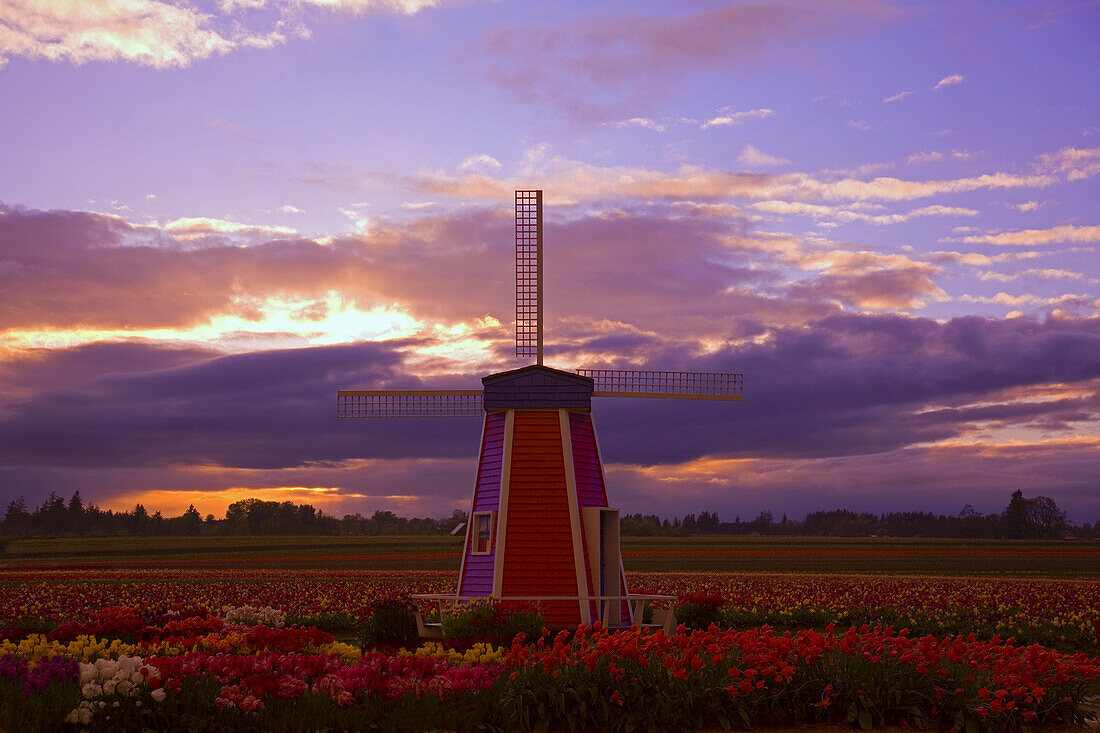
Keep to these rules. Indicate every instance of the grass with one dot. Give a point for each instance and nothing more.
(700, 552)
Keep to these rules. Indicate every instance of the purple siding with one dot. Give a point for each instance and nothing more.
(477, 572)
(591, 490)
(586, 461)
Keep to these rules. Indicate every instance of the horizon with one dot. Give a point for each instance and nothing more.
(151, 510)
(215, 215)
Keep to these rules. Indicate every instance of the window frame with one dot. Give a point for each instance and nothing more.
(475, 533)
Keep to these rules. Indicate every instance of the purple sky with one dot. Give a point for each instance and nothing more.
(213, 215)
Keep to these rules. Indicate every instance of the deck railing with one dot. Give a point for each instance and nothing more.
(635, 601)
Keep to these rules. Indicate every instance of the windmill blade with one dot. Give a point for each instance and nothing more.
(529, 274)
(409, 403)
(664, 385)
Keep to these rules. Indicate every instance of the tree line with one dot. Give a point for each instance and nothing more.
(1024, 518)
(56, 517)
(1035, 518)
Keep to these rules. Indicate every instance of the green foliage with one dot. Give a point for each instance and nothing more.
(700, 613)
(492, 621)
(326, 621)
(472, 621)
(392, 622)
(42, 710)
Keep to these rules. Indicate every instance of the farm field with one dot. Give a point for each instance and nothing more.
(272, 634)
(697, 553)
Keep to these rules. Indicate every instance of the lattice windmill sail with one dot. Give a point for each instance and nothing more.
(541, 527)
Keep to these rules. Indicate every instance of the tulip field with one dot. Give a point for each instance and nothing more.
(193, 646)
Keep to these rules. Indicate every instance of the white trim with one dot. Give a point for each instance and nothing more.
(473, 499)
(603, 477)
(502, 516)
(574, 512)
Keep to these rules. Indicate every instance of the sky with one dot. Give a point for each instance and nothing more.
(214, 215)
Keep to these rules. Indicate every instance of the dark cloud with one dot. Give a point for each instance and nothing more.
(270, 409)
(639, 289)
(856, 384)
(841, 387)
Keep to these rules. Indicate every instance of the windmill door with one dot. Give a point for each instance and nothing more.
(602, 533)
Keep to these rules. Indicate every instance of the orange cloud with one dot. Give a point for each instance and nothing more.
(1063, 233)
(215, 501)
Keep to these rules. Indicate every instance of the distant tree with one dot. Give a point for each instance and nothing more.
(52, 517)
(17, 520)
(764, 523)
(1044, 518)
(191, 521)
(76, 510)
(1015, 516)
(707, 522)
(139, 519)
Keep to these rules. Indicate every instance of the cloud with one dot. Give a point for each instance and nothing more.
(414, 277)
(821, 383)
(949, 81)
(193, 227)
(146, 32)
(643, 122)
(752, 157)
(851, 214)
(1074, 163)
(358, 7)
(571, 68)
(571, 181)
(233, 6)
(154, 32)
(978, 259)
(1064, 233)
(936, 156)
(727, 119)
(288, 209)
(1027, 206)
(481, 162)
(939, 479)
(835, 388)
(897, 97)
(1042, 274)
(1027, 299)
(860, 125)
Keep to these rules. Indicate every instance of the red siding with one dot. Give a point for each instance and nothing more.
(538, 544)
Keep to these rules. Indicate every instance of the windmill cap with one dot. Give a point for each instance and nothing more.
(537, 388)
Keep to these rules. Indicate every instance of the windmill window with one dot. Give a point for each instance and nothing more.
(483, 532)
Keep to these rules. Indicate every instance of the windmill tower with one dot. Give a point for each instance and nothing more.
(540, 525)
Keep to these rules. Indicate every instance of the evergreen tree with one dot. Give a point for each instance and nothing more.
(1015, 516)
(191, 521)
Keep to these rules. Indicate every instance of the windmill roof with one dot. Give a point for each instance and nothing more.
(536, 374)
(537, 387)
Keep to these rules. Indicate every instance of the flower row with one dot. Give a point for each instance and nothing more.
(592, 679)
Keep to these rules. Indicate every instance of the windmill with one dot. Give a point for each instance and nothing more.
(540, 526)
